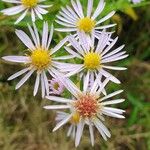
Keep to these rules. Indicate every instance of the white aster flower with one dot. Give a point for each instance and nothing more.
(94, 57)
(25, 6)
(55, 87)
(136, 1)
(73, 122)
(39, 58)
(87, 108)
(73, 18)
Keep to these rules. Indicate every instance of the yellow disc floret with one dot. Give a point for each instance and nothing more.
(29, 3)
(56, 86)
(75, 118)
(86, 24)
(40, 59)
(92, 60)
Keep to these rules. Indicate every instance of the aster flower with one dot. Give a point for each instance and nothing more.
(136, 1)
(24, 6)
(73, 18)
(73, 122)
(39, 58)
(94, 57)
(86, 108)
(55, 87)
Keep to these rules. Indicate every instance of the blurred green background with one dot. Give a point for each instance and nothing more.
(25, 125)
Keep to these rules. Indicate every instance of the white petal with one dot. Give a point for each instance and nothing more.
(45, 6)
(66, 29)
(101, 83)
(36, 86)
(41, 10)
(102, 86)
(114, 68)
(108, 75)
(106, 17)
(109, 47)
(73, 15)
(50, 36)
(32, 15)
(69, 50)
(21, 17)
(42, 86)
(59, 99)
(24, 79)
(33, 35)
(115, 58)
(91, 133)
(80, 8)
(113, 102)
(17, 59)
(65, 24)
(114, 51)
(19, 73)
(76, 71)
(112, 114)
(38, 14)
(76, 9)
(57, 107)
(99, 9)
(46, 82)
(68, 13)
(83, 40)
(36, 34)
(59, 45)
(89, 7)
(69, 130)
(14, 10)
(112, 94)
(114, 110)
(65, 19)
(102, 127)
(61, 123)
(80, 128)
(25, 39)
(102, 42)
(106, 26)
(73, 132)
(86, 81)
(64, 57)
(94, 86)
(12, 1)
(45, 35)
(76, 44)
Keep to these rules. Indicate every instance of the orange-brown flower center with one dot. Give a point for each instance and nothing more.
(87, 106)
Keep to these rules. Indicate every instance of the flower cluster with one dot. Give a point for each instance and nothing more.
(90, 46)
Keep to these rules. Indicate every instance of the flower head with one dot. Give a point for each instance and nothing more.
(39, 58)
(24, 6)
(73, 18)
(94, 56)
(56, 87)
(136, 1)
(86, 108)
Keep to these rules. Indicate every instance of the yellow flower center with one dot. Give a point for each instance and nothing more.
(56, 86)
(29, 3)
(75, 118)
(92, 60)
(40, 59)
(86, 24)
